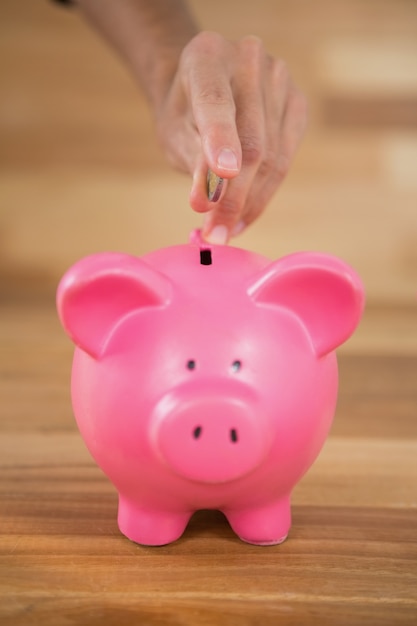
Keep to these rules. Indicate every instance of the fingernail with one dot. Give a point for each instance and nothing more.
(218, 235)
(227, 160)
(237, 228)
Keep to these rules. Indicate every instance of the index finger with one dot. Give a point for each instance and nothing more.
(212, 102)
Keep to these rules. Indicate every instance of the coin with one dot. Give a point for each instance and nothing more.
(214, 186)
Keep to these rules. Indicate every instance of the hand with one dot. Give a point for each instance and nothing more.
(234, 109)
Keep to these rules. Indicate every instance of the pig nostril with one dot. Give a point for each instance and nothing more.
(233, 435)
(197, 432)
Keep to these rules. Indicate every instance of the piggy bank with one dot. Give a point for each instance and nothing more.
(205, 377)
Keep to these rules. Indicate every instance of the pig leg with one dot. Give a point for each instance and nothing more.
(150, 527)
(264, 526)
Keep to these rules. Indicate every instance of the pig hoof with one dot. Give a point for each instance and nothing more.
(150, 528)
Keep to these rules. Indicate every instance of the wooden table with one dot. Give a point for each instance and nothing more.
(351, 556)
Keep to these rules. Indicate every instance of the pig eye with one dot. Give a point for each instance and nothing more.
(191, 365)
(236, 365)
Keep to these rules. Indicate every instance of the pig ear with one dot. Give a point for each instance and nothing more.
(325, 294)
(98, 291)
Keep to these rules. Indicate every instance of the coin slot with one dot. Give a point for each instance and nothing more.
(205, 256)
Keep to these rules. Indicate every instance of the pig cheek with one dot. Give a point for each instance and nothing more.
(305, 408)
(109, 406)
(298, 389)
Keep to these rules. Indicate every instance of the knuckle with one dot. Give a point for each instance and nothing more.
(273, 167)
(252, 44)
(204, 46)
(253, 52)
(282, 167)
(252, 150)
(268, 164)
(229, 209)
(201, 61)
(213, 94)
(205, 42)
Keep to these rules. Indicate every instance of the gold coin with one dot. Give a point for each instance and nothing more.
(214, 186)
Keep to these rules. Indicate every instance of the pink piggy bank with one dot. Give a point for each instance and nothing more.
(205, 377)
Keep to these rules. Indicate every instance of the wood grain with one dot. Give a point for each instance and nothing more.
(351, 557)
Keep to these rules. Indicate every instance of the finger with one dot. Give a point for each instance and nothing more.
(250, 120)
(208, 83)
(199, 199)
(295, 122)
(268, 175)
(227, 212)
(281, 153)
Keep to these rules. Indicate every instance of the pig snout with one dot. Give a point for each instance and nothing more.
(210, 433)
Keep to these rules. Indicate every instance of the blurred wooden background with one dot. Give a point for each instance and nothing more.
(81, 172)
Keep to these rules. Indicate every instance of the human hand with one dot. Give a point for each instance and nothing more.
(234, 109)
